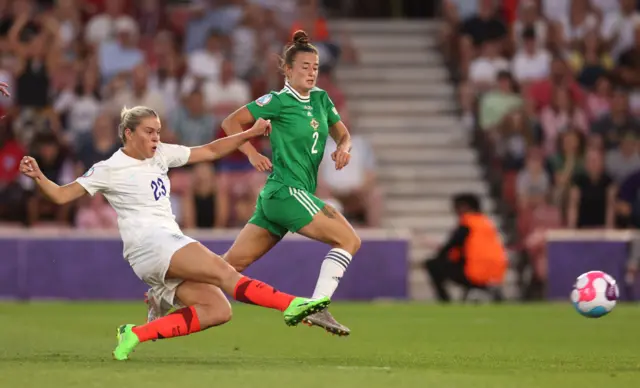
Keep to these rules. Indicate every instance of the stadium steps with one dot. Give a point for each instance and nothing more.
(400, 96)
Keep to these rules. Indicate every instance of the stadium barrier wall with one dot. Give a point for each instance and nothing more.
(571, 253)
(76, 265)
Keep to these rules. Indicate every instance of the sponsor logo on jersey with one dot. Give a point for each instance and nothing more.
(88, 173)
(264, 100)
(314, 124)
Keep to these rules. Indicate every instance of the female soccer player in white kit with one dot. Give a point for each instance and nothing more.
(179, 270)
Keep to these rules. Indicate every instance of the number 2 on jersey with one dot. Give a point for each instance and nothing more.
(158, 188)
(316, 135)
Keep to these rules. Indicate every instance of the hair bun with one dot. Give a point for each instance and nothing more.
(300, 38)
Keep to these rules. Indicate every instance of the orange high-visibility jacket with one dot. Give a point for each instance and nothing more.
(483, 253)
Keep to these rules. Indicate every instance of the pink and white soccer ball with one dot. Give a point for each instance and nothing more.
(595, 294)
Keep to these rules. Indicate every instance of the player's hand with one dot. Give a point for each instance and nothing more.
(341, 157)
(260, 162)
(30, 168)
(4, 89)
(261, 127)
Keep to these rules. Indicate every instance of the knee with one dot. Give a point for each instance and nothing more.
(350, 242)
(215, 314)
(236, 262)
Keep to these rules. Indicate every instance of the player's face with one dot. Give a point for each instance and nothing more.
(305, 71)
(146, 137)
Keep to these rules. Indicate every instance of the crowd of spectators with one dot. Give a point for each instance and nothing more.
(72, 65)
(552, 88)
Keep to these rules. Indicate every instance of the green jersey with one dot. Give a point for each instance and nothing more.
(300, 126)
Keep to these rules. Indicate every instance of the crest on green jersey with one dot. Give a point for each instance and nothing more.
(264, 100)
(314, 124)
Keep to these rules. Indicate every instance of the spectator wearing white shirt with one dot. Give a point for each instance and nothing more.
(531, 63)
(579, 22)
(101, 27)
(355, 186)
(228, 92)
(618, 27)
(205, 63)
(530, 17)
(483, 74)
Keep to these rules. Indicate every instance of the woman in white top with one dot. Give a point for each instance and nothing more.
(180, 271)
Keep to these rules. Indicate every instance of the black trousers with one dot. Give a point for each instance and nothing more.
(441, 269)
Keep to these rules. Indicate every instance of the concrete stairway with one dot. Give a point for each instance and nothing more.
(402, 100)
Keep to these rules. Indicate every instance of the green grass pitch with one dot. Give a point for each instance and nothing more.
(50, 345)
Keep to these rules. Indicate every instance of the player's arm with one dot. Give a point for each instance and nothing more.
(59, 195)
(220, 148)
(340, 134)
(233, 124)
(266, 107)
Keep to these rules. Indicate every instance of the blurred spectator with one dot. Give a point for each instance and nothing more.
(622, 161)
(355, 186)
(96, 213)
(222, 16)
(532, 182)
(540, 94)
(560, 116)
(590, 60)
(498, 102)
(56, 165)
(103, 26)
(618, 27)
(34, 64)
(485, 26)
(11, 152)
(205, 63)
(530, 19)
(99, 144)
(628, 201)
(566, 164)
(120, 54)
(580, 21)
(202, 207)
(599, 99)
(531, 62)
(514, 137)
(191, 124)
(228, 93)
(80, 105)
(592, 196)
(629, 70)
(483, 73)
(137, 93)
(618, 121)
(540, 216)
(151, 18)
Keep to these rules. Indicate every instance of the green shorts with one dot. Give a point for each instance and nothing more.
(281, 209)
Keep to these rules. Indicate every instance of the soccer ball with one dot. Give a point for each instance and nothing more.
(594, 294)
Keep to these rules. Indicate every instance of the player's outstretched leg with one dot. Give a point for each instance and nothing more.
(332, 228)
(206, 307)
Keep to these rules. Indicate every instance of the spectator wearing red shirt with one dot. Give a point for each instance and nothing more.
(10, 191)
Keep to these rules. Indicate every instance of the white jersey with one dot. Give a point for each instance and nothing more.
(138, 190)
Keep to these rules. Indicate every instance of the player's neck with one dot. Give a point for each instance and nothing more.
(303, 93)
(131, 153)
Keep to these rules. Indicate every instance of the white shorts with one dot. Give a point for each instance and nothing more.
(150, 261)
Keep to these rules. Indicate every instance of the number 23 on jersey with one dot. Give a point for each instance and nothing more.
(159, 190)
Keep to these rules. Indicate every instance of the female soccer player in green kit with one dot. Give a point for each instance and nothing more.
(302, 116)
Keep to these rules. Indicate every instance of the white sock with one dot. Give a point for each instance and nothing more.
(331, 272)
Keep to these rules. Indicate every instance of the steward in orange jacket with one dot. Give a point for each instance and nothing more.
(474, 256)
